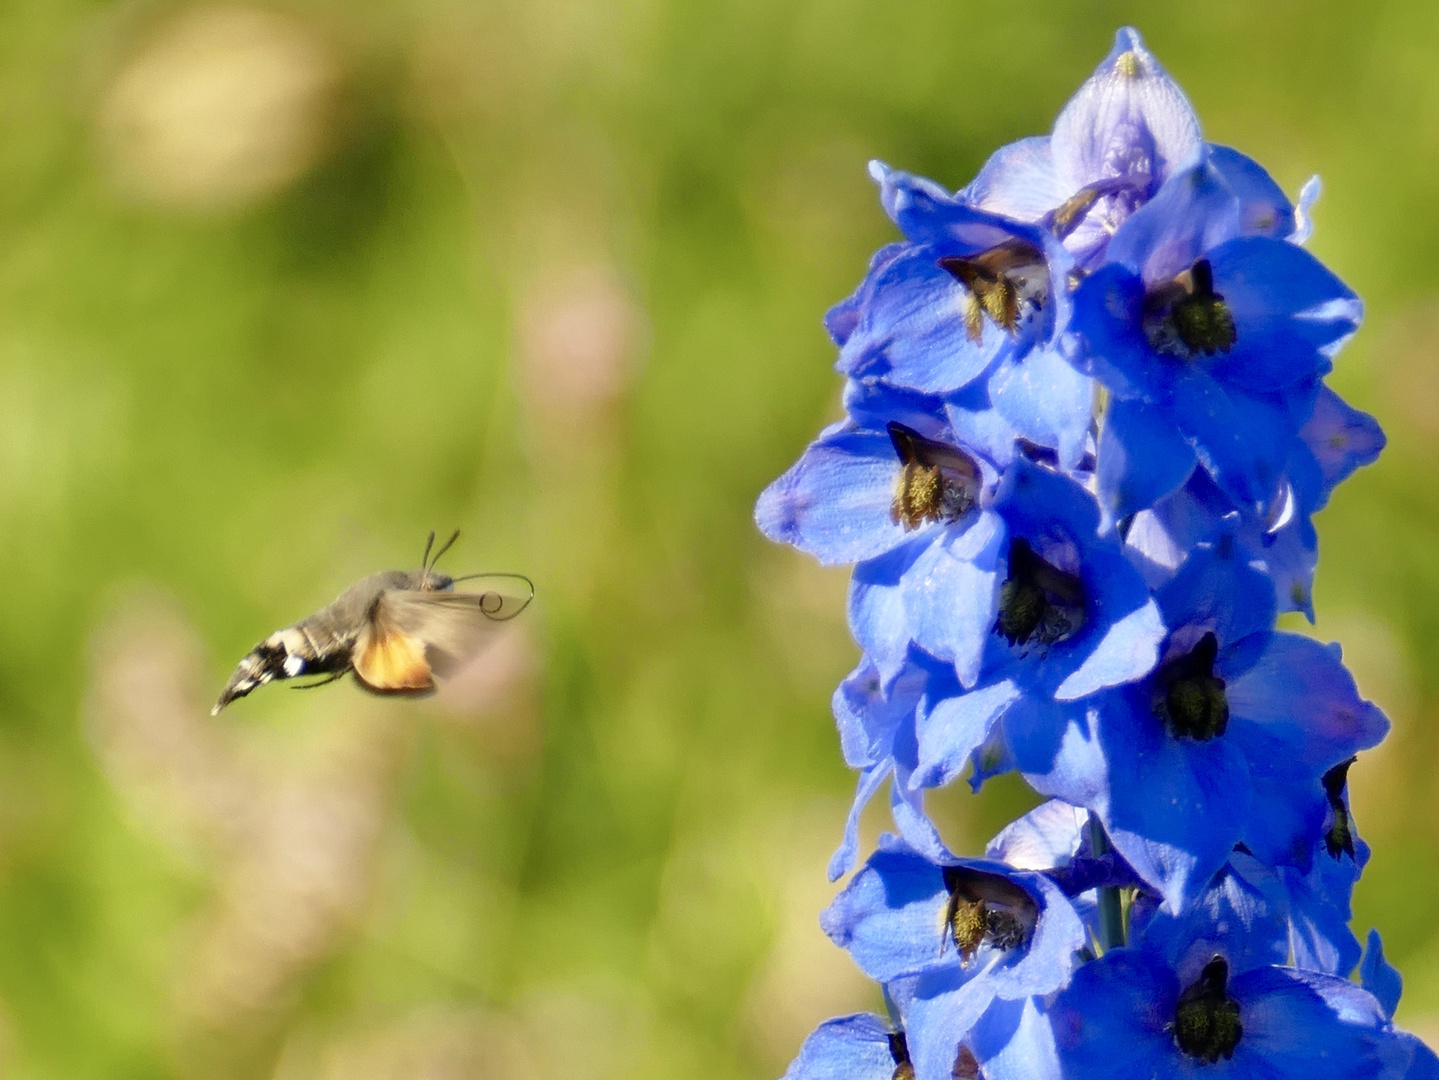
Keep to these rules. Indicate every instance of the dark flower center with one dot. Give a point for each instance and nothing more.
(986, 908)
(1339, 837)
(1206, 1020)
(1001, 281)
(1186, 317)
(1038, 601)
(936, 482)
(1189, 696)
(899, 1050)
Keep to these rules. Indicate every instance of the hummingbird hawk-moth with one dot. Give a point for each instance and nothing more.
(397, 630)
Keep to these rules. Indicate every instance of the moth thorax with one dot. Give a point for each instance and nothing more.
(1038, 602)
(899, 1051)
(1185, 317)
(936, 482)
(1339, 836)
(1190, 697)
(986, 909)
(1206, 1020)
(1000, 283)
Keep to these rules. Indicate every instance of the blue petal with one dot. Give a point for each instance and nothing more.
(842, 319)
(1193, 212)
(1319, 913)
(945, 1008)
(891, 916)
(868, 712)
(1056, 749)
(1242, 916)
(1046, 837)
(978, 425)
(1113, 1021)
(953, 728)
(906, 808)
(1240, 439)
(990, 760)
(1264, 208)
(1291, 314)
(877, 616)
(1292, 701)
(1380, 977)
(911, 331)
(1129, 118)
(1014, 1040)
(950, 590)
(930, 215)
(846, 1048)
(1047, 402)
(1301, 1023)
(1423, 1065)
(1019, 181)
(1217, 589)
(870, 781)
(1177, 807)
(1128, 650)
(1341, 438)
(1142, 458)
(1107, 341)
(834, 503)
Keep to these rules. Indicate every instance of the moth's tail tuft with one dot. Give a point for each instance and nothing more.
(266, 661)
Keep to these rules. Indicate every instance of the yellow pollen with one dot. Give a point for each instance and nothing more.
(1127, 64)
(968, 925)
(916, 496)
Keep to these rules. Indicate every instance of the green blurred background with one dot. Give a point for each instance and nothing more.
(283, 288)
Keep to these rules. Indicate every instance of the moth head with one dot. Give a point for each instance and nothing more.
(428, 577)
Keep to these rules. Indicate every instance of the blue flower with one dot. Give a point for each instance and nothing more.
(1125, 131)
(934, 313)
(1227, 740)
(1211, 343)
(906, 502)
(973, 294)
(973, 931)
(1132, 1015)
(1073, 617)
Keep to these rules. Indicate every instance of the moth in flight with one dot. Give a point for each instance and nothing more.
(397, 630)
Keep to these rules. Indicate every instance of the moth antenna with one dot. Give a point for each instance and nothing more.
(443, 548)
(425, 558)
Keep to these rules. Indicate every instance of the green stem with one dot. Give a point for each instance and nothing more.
(1111, 915)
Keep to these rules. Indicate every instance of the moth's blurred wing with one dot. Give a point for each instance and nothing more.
(449, 628)
(389, 660)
